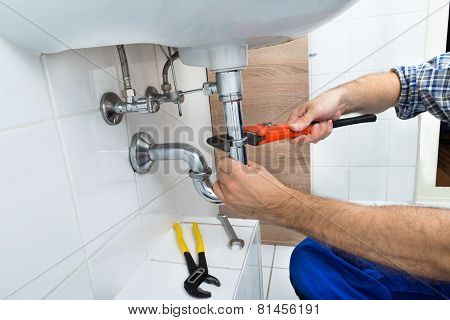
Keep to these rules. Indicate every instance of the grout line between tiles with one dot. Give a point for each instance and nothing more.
(137, 189)
(138, 193)
(280, 268)
(72, 253)
(271, 270)
(121, 226)
(77, 114)
(25, 125)
(70, 275)
(384, 15)
(68, 172)
(347, 72)
(32, 124)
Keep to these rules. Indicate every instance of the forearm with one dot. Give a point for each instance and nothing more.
(373, 93)
(413, 239)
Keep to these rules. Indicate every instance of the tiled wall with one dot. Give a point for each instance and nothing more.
(75, 221)
(372, 162)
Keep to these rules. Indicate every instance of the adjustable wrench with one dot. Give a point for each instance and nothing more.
(230, 231)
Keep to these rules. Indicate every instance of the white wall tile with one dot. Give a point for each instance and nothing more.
(346, 14)
(370, 25)
(389, 114)
(41, 286)
(144, 73)
(103, 183)
(401, 181)
(114, 265)
(329, 56)
(402, 6)
(76, 287)
(159, 217)
(103, 179)
(22, 81)
(79, 78)
(178, 129)
(330, 182)
(368, 43)
(369, 144)
(403, 142)
(282, 256)
(37, 221)
(334, 150)
(188, 201)
(408, 49)
(267, 252)
(142, 66)
(161, 174)
(386, 41)
(194, 126)
(370, 8)
(280, 286)
(368, 183)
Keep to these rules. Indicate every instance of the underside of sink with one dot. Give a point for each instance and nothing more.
(49, 26)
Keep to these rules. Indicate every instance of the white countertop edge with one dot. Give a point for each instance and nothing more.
(202, 220)
(215, 221)
(245, 260)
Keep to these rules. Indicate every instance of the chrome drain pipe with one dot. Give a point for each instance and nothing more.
(144, 152)
(229, 89)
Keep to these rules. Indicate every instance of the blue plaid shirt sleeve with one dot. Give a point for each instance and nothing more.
(425, 87)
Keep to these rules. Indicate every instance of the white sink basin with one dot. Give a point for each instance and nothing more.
(53, 25)
(213, 33)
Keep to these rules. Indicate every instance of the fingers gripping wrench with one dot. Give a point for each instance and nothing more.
(230, 231)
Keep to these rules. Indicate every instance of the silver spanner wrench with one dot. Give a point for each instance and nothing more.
(230, 231)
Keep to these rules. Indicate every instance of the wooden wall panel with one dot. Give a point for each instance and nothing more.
(275, 81)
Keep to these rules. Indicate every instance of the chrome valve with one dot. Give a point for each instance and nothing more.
(113, 108)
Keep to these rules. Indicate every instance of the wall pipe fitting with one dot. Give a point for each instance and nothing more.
(165, 74)
(124, 67)
(144, 152)
(128, 92)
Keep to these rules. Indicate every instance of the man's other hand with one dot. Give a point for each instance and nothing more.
(251, 190)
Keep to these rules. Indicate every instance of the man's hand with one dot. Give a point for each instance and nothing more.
(251, 190)
(369, 94)
(326, 107)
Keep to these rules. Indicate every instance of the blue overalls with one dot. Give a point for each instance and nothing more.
(318, 271)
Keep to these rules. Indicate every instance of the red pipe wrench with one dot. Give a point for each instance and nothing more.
(269, 132)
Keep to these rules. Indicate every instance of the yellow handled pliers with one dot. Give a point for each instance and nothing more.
(197, 273)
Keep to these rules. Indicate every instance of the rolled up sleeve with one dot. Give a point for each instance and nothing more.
(425, 87)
